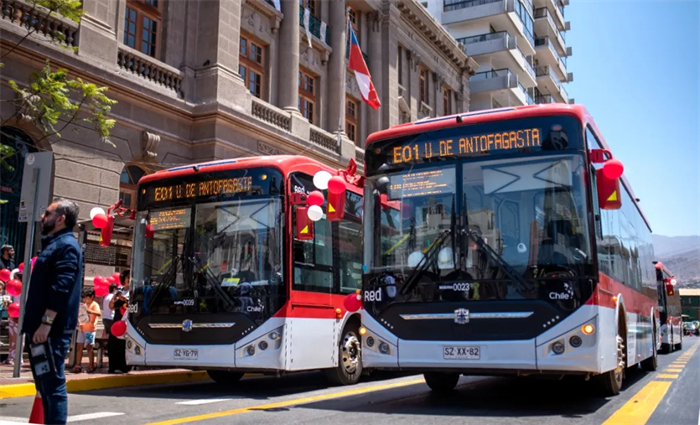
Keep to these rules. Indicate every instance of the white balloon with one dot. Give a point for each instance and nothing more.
(315, 213)
(415, 258)
(321, 180)
(95, 211)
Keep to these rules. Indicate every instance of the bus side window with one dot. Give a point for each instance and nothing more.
(350, 255)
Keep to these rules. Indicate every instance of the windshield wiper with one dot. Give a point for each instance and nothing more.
(165, 282)
(214, 282)
(525, 286)
(425, 262)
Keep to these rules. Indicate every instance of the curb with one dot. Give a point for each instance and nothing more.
(101, 383)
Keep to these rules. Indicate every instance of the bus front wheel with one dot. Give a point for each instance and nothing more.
(441, 382)
(224, 377)
(610, 383)
(349, 368)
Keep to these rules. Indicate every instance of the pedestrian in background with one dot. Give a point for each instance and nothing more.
(87, 318)
(108, 313)
(116, 346)
(12, 325)
(7, 253)
(53, 300)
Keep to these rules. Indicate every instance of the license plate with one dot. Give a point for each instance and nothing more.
(461, 353)
(185, 354)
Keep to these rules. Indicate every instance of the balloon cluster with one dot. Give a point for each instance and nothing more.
(322, 180)
(98, 217)
(102, 284)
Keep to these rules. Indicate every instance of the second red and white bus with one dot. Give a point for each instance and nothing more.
(670, 314)
(222, 281)
(517, 248)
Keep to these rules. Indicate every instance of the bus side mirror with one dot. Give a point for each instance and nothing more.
(304, 227)
(335, 209)
(669, 289)
(609, 196)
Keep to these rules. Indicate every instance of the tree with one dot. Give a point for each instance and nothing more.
(53, 100)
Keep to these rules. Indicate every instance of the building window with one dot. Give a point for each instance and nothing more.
(446, 101)
(354, 19)
(309, 4)
(252, 65)
(351, 114)
(307, 95)
(142, 26)
(423, 87)
(131, 174)
(400, 66)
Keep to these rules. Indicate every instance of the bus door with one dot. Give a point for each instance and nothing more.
(311, 320)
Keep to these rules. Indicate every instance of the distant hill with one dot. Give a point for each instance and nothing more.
(667, 246)
(681, 255)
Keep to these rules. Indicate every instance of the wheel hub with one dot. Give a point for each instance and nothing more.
(350, 349)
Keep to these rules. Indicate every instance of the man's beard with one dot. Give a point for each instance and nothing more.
(47, 226)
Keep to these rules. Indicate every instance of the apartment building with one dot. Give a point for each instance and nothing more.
(520, 46)
(203, 80)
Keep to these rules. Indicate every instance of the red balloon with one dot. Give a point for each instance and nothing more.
(13, 310)
(118, 328)
(116, 276)
(336, 185)
(33, 261)
(5, 274)
(99, 280)
(21, 267)
(99, 221)
(150, 231)
(101, 290)
(315, 198)
(14, 287)
(353, 302)
(613, 169)
(111, 280)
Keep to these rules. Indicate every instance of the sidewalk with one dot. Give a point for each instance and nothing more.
(78, 382)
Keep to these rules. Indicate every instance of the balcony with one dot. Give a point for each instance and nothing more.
(500, 14)
(544, 25)
(500, 86)
(315, 27)
(547, 54)
(503, 53)
(556, 11)
(547, 79)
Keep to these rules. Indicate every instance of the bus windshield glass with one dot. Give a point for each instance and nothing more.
(508, 218)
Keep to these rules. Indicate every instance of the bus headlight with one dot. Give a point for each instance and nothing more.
(383, 347)
(250, 350)
(370, 342)
(262, 345)
(575, 341)
(558, 348)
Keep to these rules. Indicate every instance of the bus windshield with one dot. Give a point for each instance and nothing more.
(210, 258)
(512, 220)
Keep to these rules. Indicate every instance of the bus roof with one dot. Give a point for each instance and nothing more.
(285, 163)
(509, 113)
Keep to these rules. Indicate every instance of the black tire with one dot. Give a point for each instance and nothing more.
(349, 368)
(225, 377)
(610, 383)
(651, 364)
(441, 382)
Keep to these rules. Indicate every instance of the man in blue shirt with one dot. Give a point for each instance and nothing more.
(53, 300)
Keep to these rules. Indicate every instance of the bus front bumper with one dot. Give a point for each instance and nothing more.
(382, 349)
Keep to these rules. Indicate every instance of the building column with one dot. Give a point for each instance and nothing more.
(288, 92)
(376, 68)
(216, 59)
(336, 65)
(102, 30)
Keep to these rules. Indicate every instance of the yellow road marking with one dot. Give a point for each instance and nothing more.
(667, 376)
(640, 407)
(286, 403)
(673, 370)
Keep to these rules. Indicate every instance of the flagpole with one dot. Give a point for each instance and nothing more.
(344, 80)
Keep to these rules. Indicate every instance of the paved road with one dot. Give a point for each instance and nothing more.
(670, 396)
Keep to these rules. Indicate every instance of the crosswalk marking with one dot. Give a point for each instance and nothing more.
(74, 418)
(205, 401)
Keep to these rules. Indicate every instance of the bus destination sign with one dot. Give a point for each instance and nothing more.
(179, 191)
(170, 219)
(422, 183)
(418, 151)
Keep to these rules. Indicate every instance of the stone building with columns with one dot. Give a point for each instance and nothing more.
(202, 80)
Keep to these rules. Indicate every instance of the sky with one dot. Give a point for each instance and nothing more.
(636, 69)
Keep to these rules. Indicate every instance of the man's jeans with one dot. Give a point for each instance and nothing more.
(52, 387)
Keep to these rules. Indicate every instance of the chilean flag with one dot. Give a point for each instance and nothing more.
(364, 80)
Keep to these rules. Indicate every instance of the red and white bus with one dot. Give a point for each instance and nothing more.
(517, 248)
(670, 314)
(224, 280)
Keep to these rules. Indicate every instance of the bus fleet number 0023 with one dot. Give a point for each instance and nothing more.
(461, 353)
